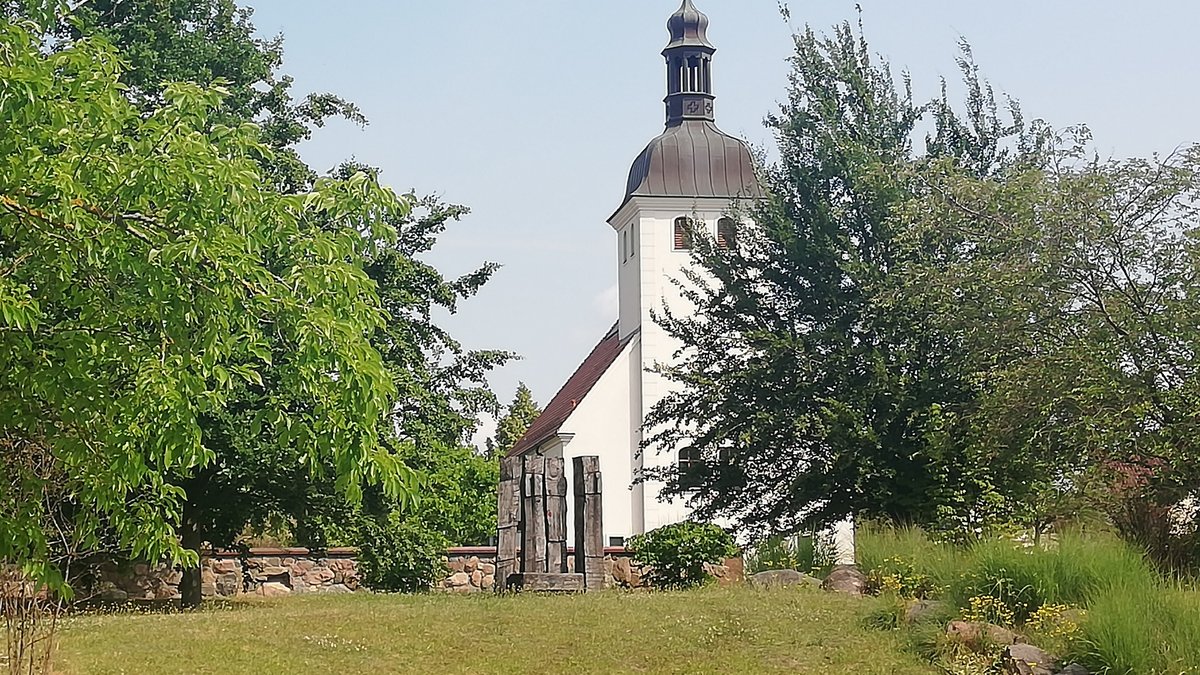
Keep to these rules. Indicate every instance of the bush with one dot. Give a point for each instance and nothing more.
(401, 555)
(677, 553)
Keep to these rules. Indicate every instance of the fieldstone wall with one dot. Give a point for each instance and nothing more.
(472, 570)
(264, 572)
(287, 571)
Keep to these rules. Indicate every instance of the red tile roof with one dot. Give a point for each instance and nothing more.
(572, 393)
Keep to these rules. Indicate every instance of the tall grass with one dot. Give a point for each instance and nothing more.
(1080, 568)
(1135, 629)
(1136, 622)
(876, 545)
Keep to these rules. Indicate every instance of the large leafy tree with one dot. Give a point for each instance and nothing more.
(1082, 277)
(148, 274)
(809, 392)
(440, 385)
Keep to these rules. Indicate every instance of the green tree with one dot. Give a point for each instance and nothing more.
(809, 396)
(147, 275)
(516, 420)
(1080, 279)
(441, 386)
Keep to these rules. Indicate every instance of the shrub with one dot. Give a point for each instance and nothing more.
(677, 553)
(401, 555)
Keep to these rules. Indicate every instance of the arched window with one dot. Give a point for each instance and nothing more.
(691, 468)
(726, 233)
(684, 233)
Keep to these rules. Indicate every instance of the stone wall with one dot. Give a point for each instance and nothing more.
(287, 571)
(265, 572)
(472, 570)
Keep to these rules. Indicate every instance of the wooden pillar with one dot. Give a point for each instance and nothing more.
(508, 521)
(556, 515)
(533, 515)
(589, 524)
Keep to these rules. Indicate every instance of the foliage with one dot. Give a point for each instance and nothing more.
(207, 41)
(402, 555)
(1079, 279)
(677, 553)
(808, 392)
(440, 386)
(147, 275)
(516, 420)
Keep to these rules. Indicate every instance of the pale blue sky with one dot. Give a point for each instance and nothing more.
(531, 111)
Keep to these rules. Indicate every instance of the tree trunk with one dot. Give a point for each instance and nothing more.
(191, 586)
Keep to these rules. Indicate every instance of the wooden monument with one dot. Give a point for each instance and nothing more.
(532, 551)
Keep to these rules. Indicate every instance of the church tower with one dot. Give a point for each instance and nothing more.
(688, 180)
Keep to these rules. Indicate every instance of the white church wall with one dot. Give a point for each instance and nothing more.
(602, 425)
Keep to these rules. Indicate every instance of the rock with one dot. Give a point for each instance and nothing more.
(302, 567)
(337, 589)
(489, 568)
(782, 579)
(274, 590)
(471, 564)
(276, 571)
(457, 565)
(477, 579)
(206, 590)
(735, 571)
(458, 580)
(1075, 669)
(114, 595)
(488, 582)
(980, 636)
(622, 572)
(923, 610)
(1021, 659)
(319, 577)
(846, 579)
(229, 585)
(207, 577)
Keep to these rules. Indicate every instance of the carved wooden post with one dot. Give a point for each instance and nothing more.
(556, 515)
(508, 520)
(533, 516)
(589, 525)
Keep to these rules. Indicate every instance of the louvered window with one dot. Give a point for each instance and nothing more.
(684, 232)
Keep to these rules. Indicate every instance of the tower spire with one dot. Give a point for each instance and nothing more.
(689, 67)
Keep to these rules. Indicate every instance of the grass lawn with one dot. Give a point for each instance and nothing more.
(707, 631)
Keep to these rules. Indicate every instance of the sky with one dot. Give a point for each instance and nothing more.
(530, 113)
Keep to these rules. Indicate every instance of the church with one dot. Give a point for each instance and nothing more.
(691, 178)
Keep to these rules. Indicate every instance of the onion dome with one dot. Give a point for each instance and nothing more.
(688, 27)
(692, 158)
